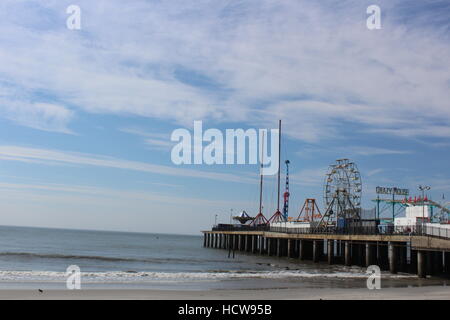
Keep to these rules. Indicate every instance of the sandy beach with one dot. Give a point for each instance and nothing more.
(416, 293)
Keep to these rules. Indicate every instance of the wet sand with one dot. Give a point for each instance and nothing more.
(415, 293)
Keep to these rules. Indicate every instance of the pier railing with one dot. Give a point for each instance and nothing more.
(411, 230)
(437, 231)
(234, 227)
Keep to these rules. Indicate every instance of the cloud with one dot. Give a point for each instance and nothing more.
(144, 133)
(42, 116)
(51, 157)
(350, 151)
(436, 131)
(315, 64)
(374, 172)
(373, 151)
(69, 192)
(160, 141)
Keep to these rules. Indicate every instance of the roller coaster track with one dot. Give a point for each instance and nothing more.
(434, 203)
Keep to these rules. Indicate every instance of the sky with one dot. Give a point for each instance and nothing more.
(86, 115)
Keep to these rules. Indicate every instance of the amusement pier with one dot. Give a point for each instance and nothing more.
(400, 234)
(413, 252)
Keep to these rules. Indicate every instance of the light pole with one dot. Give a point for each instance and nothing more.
(423, 188)
(215, 220)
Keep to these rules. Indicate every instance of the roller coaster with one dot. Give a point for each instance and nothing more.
(440, 211)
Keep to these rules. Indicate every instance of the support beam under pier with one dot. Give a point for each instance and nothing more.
(421, 264)
(254, 244)
(392, 257)
(279, 247)
(301, 249)
(370, 248)
(261, 244)
(330, 251)
(290, 248)
(347, 253)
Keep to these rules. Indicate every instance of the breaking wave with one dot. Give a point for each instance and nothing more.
(132, 276)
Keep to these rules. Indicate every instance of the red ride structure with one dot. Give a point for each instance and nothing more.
(309, 212)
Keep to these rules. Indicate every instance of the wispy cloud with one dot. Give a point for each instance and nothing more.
(42, 116)
(373, 151)
(50, 157)
(61, 191)
(374, 172)
(432, 130)
(350, 151)
(155, 140)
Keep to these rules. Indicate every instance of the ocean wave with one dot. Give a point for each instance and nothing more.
(133, 276)
(102, 258)
(61, 256)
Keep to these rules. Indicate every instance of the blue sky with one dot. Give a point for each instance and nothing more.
(86, 115)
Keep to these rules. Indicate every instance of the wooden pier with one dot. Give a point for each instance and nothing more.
(419, 254)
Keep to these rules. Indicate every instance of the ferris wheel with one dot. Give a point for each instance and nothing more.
(343, 183)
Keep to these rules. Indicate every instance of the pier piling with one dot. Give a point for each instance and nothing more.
(254, 244)
(412, 267)
(261, 244)
(289, 248)
(347, 253)
(421, 264)
(392, 258)
(330, 251)
(317, 250)
(369, 254)
(301, 249)
(279, 248)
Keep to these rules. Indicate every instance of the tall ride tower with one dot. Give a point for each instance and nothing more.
(286, 193)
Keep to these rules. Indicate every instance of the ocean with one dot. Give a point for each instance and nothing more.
(39, 257)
